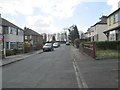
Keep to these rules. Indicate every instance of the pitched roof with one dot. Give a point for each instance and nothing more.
(102, 21)
(30, 32)
(114, 12)
(7, 23)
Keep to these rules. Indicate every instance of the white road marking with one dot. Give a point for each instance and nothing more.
(80, 80)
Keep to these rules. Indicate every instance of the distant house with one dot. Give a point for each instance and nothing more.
(88, 35)
(99, 28)
(113, 26)
(95, 32)
(13, 36)
(33, 38)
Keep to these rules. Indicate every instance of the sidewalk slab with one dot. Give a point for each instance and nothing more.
(97, 73)
(15, 58)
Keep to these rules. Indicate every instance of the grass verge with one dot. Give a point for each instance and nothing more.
(107, 54)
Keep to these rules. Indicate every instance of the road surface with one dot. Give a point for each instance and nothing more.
(47, 70)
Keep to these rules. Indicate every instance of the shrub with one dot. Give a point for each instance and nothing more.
(9, 52)
(17, 51)
(104, 45)
(77, 42)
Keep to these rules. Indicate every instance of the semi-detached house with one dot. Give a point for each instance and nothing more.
(95, 32)
(13, 36)
(113, 26)
(34, 39)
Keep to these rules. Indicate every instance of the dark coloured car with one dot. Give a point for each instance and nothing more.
(48, 47)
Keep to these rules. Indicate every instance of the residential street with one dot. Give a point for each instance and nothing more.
(65, 67)
(47, 70)
(59, 44)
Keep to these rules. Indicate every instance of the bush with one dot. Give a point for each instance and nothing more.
(9, 52)
(77, 42)
(13, 52)
(111, 45)
(17, 51)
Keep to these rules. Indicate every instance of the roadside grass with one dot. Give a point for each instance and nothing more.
(107, 54)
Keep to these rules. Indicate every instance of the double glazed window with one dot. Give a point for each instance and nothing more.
(116, 18)
(13, 45)
(5, 30)
(7, 45)
(20, 45)
(0, 29)
(20, 32)
(13, 30)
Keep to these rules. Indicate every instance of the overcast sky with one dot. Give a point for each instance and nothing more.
(51, 16)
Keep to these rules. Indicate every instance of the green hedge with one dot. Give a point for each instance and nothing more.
(14, 52)
(9, 52)
(111, 45)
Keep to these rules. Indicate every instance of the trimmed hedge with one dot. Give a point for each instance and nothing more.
(14, 52)
(111, 45)
(9, 52)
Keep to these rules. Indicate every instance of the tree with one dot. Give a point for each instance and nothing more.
(74, 34)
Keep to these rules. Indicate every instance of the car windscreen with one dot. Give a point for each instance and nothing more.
(48, 44)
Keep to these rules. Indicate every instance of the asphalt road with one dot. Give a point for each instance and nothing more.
(47, 70)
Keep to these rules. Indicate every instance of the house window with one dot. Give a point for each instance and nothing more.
(13, 45)
(7, 45)
(20, 32)
(13, 31)
(115, 18)
(0, 29)
(25, 37)
(20, 45)
(5, 30)
(112, 36)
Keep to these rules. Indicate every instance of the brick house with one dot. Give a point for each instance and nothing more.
(34, 39)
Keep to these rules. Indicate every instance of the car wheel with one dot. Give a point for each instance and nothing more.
(43, 50)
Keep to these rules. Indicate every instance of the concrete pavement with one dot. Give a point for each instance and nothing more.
(96, 73)
(15, 58)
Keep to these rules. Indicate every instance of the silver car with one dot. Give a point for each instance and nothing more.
(48, 47)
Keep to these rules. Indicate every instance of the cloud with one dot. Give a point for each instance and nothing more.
(50, 8)
(113, 3)
(14, 7)
(42, 24)
(58, 8)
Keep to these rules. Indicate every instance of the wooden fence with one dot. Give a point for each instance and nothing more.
(89, 49)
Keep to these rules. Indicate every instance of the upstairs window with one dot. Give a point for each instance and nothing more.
(5, 30)
(20, 32)
(0, 29)
(116, 18)
(13, 31)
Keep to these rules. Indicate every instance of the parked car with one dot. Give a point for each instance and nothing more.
(48, 47)
(67, 43)
(56, 45)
